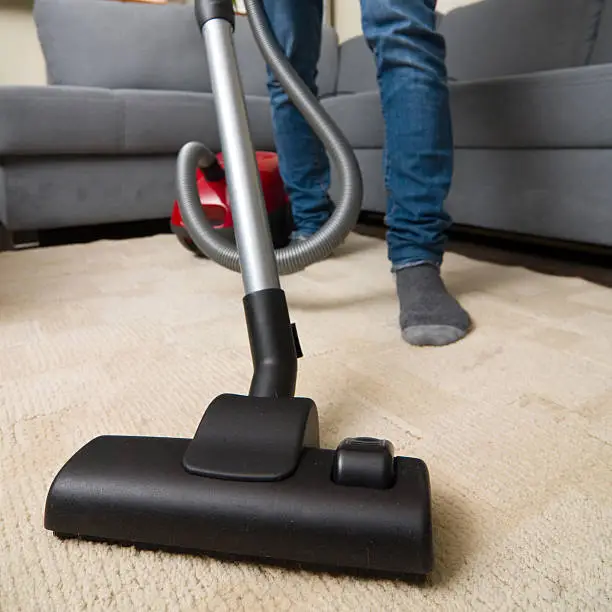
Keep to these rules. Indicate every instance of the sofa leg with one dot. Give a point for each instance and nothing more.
(5, 239)
(14, 241)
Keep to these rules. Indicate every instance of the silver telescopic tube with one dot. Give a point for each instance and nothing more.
(252, 231)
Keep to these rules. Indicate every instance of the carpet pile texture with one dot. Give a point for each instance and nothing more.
(136, 337)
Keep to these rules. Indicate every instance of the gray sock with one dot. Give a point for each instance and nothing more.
(429, 315)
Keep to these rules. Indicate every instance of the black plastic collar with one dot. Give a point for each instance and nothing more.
(205, 10)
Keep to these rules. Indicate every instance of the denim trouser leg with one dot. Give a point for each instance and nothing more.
(418, 151)
(303, 162)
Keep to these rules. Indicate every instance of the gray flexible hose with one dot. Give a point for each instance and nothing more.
(299, 255)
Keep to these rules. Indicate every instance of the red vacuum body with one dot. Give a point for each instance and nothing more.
(213, 192)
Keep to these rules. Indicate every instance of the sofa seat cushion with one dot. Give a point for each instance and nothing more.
(78, 120)
(41, 120)
(567, 108)
(162, 122)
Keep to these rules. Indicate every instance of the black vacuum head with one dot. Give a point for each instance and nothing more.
(254, 484)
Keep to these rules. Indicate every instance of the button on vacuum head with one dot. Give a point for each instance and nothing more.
(365, 462)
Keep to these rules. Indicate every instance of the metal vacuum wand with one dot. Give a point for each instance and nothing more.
(252, 230)
(273, 339)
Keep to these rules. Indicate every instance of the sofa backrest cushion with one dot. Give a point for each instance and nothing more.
(357, 67)
(602, 50)
(130, 45)
(101, 43)
(501, 37)
(253, 66)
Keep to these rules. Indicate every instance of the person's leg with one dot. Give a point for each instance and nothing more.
(418, 162)
(303, 162)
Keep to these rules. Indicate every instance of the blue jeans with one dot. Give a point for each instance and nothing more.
(418, 149)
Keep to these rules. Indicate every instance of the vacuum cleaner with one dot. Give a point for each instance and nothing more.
(213, 191)
(254, 484)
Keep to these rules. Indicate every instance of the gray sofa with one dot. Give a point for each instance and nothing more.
(531, 94)
(128, 86)
(531, 99)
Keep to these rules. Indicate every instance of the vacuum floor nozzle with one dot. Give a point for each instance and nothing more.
(253, 482)
(276, 496)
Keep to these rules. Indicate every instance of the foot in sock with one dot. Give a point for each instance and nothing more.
(429, 315)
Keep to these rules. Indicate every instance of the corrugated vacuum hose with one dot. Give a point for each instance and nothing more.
(255, 256)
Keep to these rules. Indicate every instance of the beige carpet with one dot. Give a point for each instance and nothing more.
(136, 337)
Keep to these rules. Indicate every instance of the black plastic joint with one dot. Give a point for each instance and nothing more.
(252, 438)
(273, 342)
(205, 10)
(214, 172)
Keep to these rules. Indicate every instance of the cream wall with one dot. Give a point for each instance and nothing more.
(347, 14)
(21, 60)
